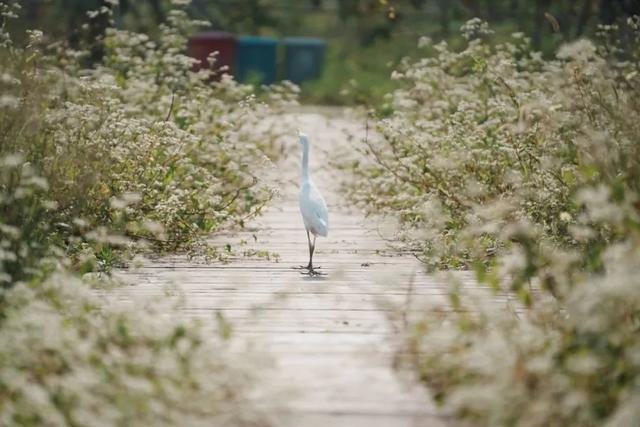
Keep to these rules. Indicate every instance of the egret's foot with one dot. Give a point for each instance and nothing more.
(313, 272)
(306, 267)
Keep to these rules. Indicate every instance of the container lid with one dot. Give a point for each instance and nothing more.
(213, 35)
(258, 40)
(304, 41)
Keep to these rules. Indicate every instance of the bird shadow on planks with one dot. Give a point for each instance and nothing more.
(318, 277)
(314, 276)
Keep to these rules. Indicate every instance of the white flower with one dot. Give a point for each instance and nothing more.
(9, 102)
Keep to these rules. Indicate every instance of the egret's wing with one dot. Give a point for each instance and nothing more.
(322, 218)
(314, 210)
(319, 207)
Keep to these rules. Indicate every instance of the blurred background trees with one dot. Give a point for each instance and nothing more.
(370, 18)
(367, 38)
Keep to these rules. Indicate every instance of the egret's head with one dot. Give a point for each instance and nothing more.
(303, 138)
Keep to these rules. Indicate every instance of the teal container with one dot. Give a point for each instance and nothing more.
(304, 58)
(256, 59)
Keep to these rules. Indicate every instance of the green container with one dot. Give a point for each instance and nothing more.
(304, 58)
(256, 59)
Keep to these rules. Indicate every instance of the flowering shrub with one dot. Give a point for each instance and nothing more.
(140, 145)
(526, 170)
(571, 362)
(135, 151)
(495, 124)
(70, 358)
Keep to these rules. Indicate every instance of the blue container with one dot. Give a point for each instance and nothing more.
(304, 58)
(256, 59)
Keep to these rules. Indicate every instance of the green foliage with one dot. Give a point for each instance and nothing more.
(137, 151)
(497, 132)
(356, 75)
(364, 35)
(526, 170)
(26, 247)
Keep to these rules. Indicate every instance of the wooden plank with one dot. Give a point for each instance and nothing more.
(345, 419)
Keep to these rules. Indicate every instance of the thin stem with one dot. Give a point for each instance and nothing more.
(173, 96)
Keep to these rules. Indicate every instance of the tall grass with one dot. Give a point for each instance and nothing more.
(525, 170)
(139, 146)
(137, 153)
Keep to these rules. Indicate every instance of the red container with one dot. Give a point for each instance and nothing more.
(203, 44)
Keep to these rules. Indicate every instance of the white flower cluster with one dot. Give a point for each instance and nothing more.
(141, 123)
(71, 358)
(525, 170)
(138, 152)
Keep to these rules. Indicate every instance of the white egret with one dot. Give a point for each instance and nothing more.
(312, 206)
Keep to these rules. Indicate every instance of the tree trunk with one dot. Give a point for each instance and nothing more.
(492, 11)
(538, 20)
(607, 12)
(444, 6)
(585, 14)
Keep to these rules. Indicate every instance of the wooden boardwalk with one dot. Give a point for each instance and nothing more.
(328, 338)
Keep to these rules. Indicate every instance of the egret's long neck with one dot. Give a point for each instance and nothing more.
(305, 162)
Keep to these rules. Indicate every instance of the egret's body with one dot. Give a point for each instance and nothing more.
(312, 205)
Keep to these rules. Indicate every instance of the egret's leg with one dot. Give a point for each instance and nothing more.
(312, 248)
(310, 265)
